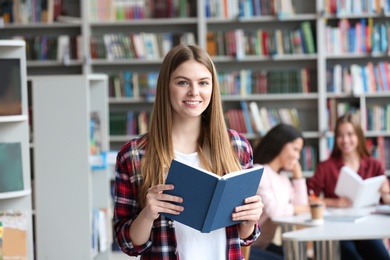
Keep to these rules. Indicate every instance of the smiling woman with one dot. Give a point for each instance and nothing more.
(349, 149)
(279, 151)
(187, 123)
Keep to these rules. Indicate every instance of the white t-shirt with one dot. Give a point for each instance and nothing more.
(193, 244)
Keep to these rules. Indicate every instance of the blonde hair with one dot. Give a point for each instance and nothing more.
(214, 148)
(352, 119)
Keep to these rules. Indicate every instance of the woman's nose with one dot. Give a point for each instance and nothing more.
(194, 90)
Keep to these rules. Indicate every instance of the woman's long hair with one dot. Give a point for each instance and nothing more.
(213, 146)
(353, 119)
(273, 142)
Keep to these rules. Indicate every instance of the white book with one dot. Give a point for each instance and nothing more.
(361, 192)
(257, 117)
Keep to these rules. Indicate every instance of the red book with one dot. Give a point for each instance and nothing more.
(265, 42)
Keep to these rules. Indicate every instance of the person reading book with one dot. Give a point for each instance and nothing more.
(187, 123)
(279, 152)
(349, 148)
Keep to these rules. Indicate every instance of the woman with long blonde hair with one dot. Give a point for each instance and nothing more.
(187, 123)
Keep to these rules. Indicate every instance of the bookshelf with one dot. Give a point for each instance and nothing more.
(68, 190)
(204, 19)
(15, 192)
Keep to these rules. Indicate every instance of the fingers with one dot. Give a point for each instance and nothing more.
(344, 202)
(251, 210)
(158, 202)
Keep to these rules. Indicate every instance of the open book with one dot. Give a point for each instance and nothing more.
(361, 192)
(208, 199)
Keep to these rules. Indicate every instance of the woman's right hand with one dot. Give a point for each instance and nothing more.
(341, 202)
(158, 202)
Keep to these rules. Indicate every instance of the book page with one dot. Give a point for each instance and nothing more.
(361, 192)
(348, 183)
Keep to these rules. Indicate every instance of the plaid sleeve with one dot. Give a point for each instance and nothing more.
(126, 208)
(243, 149)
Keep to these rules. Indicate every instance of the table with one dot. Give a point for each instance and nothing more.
(326, 236)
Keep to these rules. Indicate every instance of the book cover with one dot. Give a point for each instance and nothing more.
(361, 192)
(11, 168)
(208, 199)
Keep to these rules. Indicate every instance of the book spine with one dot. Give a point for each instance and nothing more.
(214, 206)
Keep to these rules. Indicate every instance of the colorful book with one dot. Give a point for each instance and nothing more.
(208, 199)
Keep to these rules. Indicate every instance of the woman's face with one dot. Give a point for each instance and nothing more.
(190, 89)
(290, 154)
(346, 138)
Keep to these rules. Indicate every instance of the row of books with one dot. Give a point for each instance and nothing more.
(128, 122)
(120, 10)
(132, 84)
(380, 149)
(30, 11)
(252, 119)
(240, 42)
(244, 82)
(248, 8)
(364, 36)
(356, 7)
(248, 82)
(378, 118)
(13, 234)
(101, 230)
(62, 48)
(336, 108)
(137, 45)
(356, 79)
(309, 158)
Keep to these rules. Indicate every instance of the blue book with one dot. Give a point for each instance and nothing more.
(363, 39)
(247, 117)
(364, 79)
(383, 37)
(208, 199)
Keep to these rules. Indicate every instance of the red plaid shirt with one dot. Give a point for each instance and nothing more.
(162, 242)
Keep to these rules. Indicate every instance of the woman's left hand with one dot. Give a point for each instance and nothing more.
(250, 212)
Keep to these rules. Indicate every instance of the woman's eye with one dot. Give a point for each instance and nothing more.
(182, 82)
(204, 83)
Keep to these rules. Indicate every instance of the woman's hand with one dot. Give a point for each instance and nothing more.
(249, 213)
(341, 202)
(297, 170)
(158, 202)
(385, 192)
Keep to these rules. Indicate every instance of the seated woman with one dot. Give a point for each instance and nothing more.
(349, 149)
(279, 151)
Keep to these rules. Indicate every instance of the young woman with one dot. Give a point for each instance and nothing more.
(350, 149)
(279, 151)
(187, 123)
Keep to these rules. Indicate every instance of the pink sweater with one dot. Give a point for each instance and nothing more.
(279, 196)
